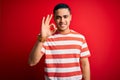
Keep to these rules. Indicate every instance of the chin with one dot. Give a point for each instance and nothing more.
(62, 27)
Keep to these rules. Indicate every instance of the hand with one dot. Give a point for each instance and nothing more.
(45, 27)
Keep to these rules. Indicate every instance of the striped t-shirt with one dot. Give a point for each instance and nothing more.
(62, 56)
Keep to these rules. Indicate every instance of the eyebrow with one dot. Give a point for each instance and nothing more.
(61, 16)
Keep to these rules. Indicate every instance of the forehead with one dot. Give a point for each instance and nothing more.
(62, 11)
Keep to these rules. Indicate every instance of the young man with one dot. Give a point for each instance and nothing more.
(66, 52)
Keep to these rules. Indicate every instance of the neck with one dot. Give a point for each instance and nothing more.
(64, 31)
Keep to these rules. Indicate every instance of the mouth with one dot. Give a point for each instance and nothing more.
(62, 25)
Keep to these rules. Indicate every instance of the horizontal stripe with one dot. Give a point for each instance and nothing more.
(63, 47)
(77, 77)
(86, 53)
(62, 70)
(65, 39)
(62, 65)
(68, 35)
(84, 45)
(65, 74)
(63, 56)
(68, 60)
(65, 51)
(43, 50)
(84, 49)
(69, 42)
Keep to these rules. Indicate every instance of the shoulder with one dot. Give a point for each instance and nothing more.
(77, 34)
(72, 34)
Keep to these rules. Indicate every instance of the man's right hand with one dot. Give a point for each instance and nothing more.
(45, 27)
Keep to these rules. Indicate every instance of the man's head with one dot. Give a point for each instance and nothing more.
(61, 5)
(62, 16)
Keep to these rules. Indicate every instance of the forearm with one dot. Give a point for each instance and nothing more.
(86, 70)
(35, 54)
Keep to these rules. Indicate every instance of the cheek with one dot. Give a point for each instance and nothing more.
(68, 21)
(56, 21)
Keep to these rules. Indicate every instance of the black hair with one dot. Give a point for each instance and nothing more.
(61, 5)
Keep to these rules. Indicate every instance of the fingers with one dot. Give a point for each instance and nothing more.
(43, 20)
(53, 25)
(48, 19)
(54, 28)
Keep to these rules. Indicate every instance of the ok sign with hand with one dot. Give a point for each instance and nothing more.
(45, 27)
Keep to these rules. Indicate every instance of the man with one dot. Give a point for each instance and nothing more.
(66, 52)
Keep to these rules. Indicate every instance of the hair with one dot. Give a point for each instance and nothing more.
(61, 5)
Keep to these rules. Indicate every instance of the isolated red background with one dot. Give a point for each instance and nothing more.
(98, 20)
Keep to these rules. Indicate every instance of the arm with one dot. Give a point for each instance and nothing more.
(36, 54)
(85, 68)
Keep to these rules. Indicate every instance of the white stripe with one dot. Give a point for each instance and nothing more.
(65, 60)
(62, 70)
(63, 51)
(86, 53)
(78, 77)
(43, 50)
(84, 45)
(68, 35)
(68, 42)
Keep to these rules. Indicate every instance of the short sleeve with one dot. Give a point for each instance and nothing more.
(43, 49)
(84, 49)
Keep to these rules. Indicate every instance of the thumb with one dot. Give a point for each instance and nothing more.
(53, 28)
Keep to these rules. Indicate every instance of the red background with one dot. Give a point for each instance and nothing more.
(98, 20)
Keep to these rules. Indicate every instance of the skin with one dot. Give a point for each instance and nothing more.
(62, 19)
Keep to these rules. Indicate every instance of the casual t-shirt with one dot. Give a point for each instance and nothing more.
(62, 56)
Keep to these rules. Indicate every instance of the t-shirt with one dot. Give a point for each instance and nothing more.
(62, 56)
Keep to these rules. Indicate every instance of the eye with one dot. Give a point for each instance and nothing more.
(65, 16)
(57, 17)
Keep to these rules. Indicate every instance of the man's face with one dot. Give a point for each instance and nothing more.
(62, 19)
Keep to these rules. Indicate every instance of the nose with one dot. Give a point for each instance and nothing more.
(62, 19)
